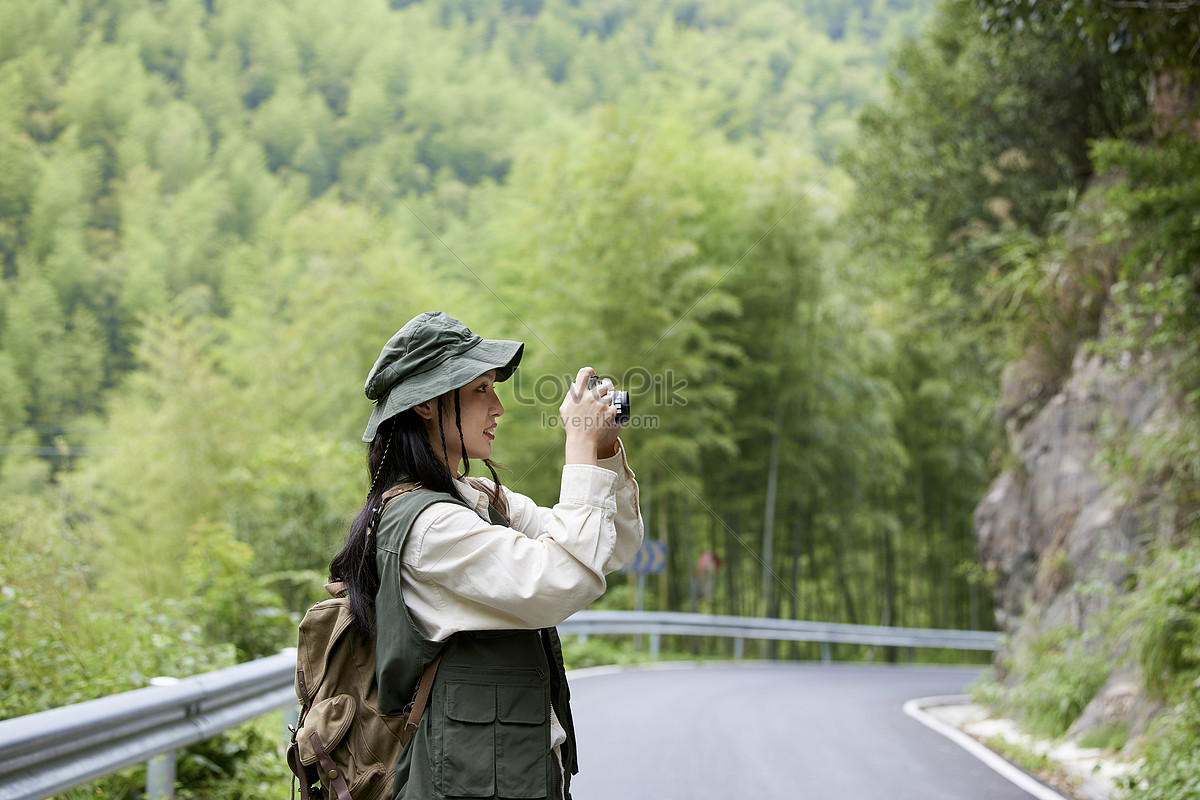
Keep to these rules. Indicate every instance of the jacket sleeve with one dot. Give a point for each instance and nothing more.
(628, 516)
(460, 572)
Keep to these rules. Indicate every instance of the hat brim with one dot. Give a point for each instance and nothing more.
(455, 372)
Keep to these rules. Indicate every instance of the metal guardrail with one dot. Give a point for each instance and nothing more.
(657, 624)
(46, 753)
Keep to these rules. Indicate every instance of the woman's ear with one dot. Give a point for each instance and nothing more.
(425, 410)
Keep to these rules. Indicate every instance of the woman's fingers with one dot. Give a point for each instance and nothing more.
(588, 411)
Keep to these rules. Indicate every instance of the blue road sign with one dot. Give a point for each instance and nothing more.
(651, 558)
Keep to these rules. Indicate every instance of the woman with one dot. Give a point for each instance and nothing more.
(468, 569)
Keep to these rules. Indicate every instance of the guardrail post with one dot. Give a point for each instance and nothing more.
(739, 647)
(825, 657)
(160, 777)
(655, 639)
(160, 770)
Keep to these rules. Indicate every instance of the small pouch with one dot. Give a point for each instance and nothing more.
(334, 714)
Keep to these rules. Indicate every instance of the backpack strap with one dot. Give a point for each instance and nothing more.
(391, 494)
(338, 588)
(329, 769)
(418, 705)
(397, 490)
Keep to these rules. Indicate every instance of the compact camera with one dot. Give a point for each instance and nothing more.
(620, 399)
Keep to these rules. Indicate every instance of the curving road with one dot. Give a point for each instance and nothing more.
(771, 730)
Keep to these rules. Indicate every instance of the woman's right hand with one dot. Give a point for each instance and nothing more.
(587, 415)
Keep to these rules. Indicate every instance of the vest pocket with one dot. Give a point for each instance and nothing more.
(495, 738)
(469, 740)
(522, 741)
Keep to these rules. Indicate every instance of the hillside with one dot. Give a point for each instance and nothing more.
(1072, 243)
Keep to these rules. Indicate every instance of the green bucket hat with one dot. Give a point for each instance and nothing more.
(431, 355)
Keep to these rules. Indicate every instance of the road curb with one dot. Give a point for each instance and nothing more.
(916, 710)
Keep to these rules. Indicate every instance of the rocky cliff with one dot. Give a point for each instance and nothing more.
(1058, 530)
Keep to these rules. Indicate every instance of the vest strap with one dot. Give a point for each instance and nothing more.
(426, 684)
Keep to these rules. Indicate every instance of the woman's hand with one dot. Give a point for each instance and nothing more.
(589, 419)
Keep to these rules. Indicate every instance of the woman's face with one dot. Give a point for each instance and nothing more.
(480, 409)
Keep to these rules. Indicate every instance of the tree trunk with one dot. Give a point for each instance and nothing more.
(1174, 103)
(768, 551)
(732, 557)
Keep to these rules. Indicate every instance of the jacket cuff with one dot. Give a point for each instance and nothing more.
(585, 485)
(618, 464)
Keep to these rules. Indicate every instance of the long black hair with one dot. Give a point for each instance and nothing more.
(400, 453)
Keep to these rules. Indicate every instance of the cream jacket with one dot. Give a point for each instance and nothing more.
(459, 572)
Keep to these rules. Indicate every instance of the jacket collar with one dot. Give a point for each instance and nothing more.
(473, 497)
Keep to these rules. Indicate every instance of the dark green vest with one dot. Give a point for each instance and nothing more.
(486, 732)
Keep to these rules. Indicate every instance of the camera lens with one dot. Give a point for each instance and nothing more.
(621, 401)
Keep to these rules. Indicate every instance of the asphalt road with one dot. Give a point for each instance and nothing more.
(765, 731)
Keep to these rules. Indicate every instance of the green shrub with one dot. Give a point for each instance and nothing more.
(1107, 737)
(246, 761)
(59, 642)
(1059, 678)
(600, 651)
(232, 604)
(1170, 768)
(1163, 618)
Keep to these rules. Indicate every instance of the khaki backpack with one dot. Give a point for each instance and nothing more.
(343, 747)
